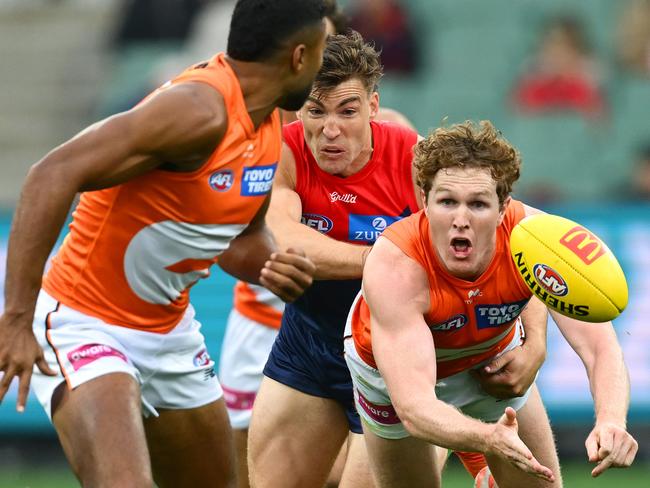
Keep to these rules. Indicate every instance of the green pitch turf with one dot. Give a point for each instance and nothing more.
(575, 476)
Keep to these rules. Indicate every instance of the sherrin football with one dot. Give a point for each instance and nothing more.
(569, 268)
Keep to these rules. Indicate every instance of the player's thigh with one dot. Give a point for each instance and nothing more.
(192, 447)
(535, 432)
(95, 422)
(356, 470)
(294, 437)
(401, 463)
(240, 437)
(334, 476)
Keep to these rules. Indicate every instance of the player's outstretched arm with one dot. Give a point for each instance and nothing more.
(333, 259)
(609, 444)
(179, 126)
(405, 353)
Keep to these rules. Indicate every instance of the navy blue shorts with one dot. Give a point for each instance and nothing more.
(305, 362)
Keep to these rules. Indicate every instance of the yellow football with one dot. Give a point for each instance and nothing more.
(569, 268)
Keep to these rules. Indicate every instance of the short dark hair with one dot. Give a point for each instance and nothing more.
(348, 57)
(338, 18)
(259, 27)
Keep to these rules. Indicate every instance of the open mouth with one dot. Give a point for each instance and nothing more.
(461, 247)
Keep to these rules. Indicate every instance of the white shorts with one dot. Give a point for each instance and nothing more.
(174, 370)
(246, 347)
(460, 390)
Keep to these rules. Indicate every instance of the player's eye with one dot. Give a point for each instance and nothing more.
(315, 112)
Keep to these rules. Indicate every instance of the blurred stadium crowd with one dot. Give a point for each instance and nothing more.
(567, 81)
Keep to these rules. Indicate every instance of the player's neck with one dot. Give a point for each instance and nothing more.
(260, 93)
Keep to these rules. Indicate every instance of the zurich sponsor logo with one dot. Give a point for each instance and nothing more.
(257, 180)
(221, 180)
(367, 228)
(453, 323)
(550, 280)
(319, 222)
(497, 315)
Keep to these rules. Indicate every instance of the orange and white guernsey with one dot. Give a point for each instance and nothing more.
(258, 304)
(470, 321)
(134, 250)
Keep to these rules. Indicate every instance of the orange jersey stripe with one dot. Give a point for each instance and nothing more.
(258, 304)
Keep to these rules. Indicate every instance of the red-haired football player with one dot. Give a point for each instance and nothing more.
(441, 296)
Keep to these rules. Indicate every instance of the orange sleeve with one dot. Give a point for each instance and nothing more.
(514, 214)
(405, 234)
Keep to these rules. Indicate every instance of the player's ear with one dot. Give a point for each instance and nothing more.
(424, 198)
(374, 105)
(298, 58)
(502, 209)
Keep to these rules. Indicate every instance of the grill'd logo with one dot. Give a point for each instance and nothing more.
(583, 244)
(550, 280)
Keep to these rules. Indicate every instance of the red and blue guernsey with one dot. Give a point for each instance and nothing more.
(353, 209)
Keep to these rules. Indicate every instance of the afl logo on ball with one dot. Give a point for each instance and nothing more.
(221, 180)
(550, 280)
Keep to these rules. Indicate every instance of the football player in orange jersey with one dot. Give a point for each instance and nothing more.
(452, 304)
(168, 188)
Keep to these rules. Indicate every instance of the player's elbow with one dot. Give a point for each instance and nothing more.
(407, 409)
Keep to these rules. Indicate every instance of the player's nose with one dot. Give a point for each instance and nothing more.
(330, 128)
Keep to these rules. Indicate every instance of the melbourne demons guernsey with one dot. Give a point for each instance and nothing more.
(355, 209)
(134, 250)
(470, 321)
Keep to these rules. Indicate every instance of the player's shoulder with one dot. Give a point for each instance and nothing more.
(292, 133)
(514, 213)
(394, 129)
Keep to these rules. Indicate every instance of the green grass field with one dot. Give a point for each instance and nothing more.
(575, 476)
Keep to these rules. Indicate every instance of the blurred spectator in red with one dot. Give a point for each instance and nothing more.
(633, 37)
(563, 74)
(386, 24)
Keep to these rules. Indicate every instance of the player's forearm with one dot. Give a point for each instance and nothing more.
(441, 424)
(535, 320)
(41, 212)
(610, 385)
(334, 260)
(247, 254)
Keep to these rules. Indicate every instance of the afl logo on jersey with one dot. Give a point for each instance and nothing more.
(319, 222)
(550, 280)
(453, 323)
(221, 180)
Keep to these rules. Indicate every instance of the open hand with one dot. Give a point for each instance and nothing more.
(505, 443)
(19, 351)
